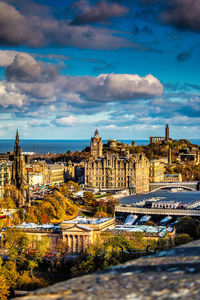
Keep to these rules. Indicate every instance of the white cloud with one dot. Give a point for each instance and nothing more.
(7, 57)
(10, 95)
(68, 121)
(111, 87)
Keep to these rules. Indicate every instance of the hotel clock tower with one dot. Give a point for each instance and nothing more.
(96, 145)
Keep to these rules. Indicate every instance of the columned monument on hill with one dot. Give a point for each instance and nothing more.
(159, 139)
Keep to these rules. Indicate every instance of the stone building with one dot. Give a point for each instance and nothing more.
(56, 174)
(114, 173)
(118, 146)
(78, 233)
(190, 154)
(173, 178)
(34, 179)
(81, 232)
(96, 145)
(69, 170)
(157, 169)
(5, 175)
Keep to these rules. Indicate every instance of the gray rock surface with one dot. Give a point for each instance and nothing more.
(173, 274)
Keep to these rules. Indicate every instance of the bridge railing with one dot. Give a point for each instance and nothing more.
(157, 211)
(129, 254)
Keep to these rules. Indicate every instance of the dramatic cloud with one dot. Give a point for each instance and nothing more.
(25, 68)
(99, 13)
(111, 87)
(183, 14)
(42, 83)
(35, 31)
(81, 91)
(7, 57)
(10, 95)
(14, 28)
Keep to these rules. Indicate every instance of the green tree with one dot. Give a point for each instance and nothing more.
(70, 189)
(32, 264)
(4, 288)
(188, 225)
(10, 272)
(182, 239)
(16, 242)
(4, 285)
(105, 253)
(11, 197)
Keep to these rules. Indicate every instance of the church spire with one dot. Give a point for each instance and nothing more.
(96, 134)
(17, 138)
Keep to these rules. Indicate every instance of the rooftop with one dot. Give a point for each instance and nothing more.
(180, 196)
(84, 220)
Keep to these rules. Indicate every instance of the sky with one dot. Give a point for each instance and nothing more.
(126, 67)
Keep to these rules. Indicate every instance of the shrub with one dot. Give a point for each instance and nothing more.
(188, 225)
(182, 239)
(25, 282)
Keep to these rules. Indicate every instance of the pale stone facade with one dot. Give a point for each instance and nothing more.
(35, 179)
(172, 178)
(69, 170)
(80, 233)
(115, 173)
(156, 171)
(56, 174)
(5, 175)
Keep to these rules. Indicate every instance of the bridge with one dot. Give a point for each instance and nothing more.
(156, 211)
(187, 185)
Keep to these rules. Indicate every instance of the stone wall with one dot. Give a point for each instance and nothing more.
(172, 274)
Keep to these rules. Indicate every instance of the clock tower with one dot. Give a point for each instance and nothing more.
(96, 145)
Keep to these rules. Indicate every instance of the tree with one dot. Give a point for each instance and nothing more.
(88, 198)
(101, 214)
(11, 197)
(70, 189)
(189, 226)
(32, 264)
(4, 286)
(182, 239)
(16, 242)
(105, 253)
(9, 270)
(111, 203)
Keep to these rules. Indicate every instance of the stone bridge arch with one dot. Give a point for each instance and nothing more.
(171, 187)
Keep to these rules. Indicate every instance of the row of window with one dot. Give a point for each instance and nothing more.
(120, 184)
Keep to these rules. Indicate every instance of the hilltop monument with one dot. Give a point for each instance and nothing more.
(159, 139)
(18, 168)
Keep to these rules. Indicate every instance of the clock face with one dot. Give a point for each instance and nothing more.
(95, 143)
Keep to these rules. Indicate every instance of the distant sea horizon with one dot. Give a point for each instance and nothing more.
(42, 146)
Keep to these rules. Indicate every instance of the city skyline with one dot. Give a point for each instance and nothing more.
(124, 67)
